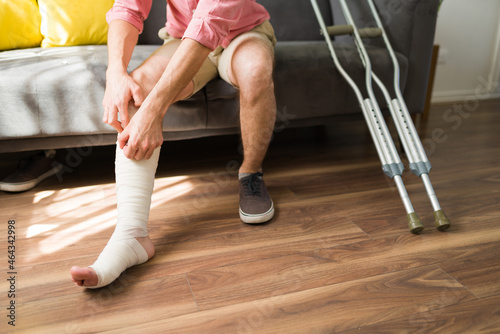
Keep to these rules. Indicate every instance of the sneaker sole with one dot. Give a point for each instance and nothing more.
(23, 186)
(257, 218)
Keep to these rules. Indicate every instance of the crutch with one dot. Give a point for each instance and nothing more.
(391, 163)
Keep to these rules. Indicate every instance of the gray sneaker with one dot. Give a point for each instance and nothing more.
(31, 171)
(256, 205)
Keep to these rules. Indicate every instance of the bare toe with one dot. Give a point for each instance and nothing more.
(83, 276)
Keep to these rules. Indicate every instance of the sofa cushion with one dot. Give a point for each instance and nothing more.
(19, 24)
(156, 20)
(307, 80)
(66, 23)
(59, 92)
(297, 22)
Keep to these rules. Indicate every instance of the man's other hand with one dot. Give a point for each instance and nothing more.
(120, 90)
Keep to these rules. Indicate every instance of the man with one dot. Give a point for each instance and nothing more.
(203, 39)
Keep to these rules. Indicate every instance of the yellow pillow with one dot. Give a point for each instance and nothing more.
(74, 22)
(19, 24)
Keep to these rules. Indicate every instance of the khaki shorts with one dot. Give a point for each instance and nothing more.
(218, 61)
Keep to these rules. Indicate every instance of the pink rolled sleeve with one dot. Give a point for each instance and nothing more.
(209, 22)
(213, 22)
(131, 11)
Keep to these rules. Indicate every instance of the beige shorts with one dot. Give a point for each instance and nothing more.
(218, 61)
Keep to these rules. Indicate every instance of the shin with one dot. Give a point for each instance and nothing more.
(134, 187)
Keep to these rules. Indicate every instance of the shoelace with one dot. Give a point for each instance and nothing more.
(252, 184)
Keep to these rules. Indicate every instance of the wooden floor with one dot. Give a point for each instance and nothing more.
(337, 257)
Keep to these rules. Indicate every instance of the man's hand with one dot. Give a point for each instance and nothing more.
(120, 90)
(142, 135)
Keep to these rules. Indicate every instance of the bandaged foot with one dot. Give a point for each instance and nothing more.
(129, 245)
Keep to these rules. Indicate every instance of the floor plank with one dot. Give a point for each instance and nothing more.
(337, 257)
(478, 316)
(480, 274)
(326, 309)
(325, 266)
(117, 306)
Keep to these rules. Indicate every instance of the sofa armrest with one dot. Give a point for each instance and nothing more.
(410, 26)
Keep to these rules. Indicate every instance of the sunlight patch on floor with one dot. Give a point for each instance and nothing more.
(67, 216)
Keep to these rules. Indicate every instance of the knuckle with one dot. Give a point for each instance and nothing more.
(136, 88)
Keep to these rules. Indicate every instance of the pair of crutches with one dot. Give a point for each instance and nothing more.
(389, 157)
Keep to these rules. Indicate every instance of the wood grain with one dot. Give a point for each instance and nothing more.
(337, 257)
(329, 308)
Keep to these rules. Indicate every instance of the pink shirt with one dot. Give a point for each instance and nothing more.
(209, 22)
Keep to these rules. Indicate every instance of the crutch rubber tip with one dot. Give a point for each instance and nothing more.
(442, 221)
(414, 223)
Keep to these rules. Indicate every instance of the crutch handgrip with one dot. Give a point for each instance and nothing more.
(339, 30)
(370, 32)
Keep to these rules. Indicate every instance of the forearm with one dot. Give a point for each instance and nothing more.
(180, 70)
(122, 38)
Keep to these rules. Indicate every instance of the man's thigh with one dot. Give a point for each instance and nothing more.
(258, 45)
(151, 70)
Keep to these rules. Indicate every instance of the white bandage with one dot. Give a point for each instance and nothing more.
(134, 187)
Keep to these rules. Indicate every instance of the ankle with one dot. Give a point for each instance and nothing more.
(147, 244)
(249, 170)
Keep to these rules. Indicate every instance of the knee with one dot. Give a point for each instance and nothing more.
(139, 77)
(144, 80)
(257, 80)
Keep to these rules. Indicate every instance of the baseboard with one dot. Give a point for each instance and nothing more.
(463, 95)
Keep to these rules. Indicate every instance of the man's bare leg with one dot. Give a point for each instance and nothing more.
(146, 76)
(130, 244)
(251, 71)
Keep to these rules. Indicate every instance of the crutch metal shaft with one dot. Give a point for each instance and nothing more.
(414, 223)
(391, 163)
(419, 163)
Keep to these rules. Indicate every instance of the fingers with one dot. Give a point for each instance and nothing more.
(134, 150)
(130, 148)
(149, 153)
(111, 118)
(124, 115)
(120, 90)
(137, 99)
(123, 140)
(136, 153)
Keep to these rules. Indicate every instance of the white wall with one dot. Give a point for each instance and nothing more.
(468, 33)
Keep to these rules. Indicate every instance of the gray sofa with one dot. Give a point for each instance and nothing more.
(51, 98)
